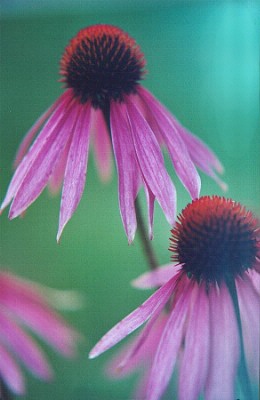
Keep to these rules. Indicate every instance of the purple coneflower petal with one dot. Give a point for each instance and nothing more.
(150, 198)
(195, 360)
(38, 316)
(134, 320)
(57, 175)
(49, 131)
(179, 154)
(158, 277)
(40, 170)
(203, 157)
(118, 368)
(10, 372)
(102, 145)
(249, 309)
(128, 174)
(151, 161)
(145, 344)
(75, 173)
(24, 347)
(34, 129)
(224, 349)
(167, 351)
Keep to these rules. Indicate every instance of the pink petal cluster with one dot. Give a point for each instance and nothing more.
(139, 126)
(137, 356)
(192, 326)
(23, 307)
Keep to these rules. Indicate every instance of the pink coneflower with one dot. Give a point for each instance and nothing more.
(25, 307)
(103, 101)
(211, 298)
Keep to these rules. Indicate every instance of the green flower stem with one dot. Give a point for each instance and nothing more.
(146, 242)
(5, 393)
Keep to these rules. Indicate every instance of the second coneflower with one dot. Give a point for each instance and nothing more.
(101, 68)
(205, 316)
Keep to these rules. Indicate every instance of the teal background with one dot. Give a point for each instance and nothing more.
(202, 62)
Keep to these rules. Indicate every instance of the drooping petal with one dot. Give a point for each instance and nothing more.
(158, 277)
(47, 133)
(168, 349)
(249, 303)
(102, 145)
(151, 161)
(224, 346)
(76, 168)
(203, 157)
(40, 170)
(30, 308)
(195, 360)
(141, 387)
(199, 151)
(10, 372)
(35, 128)
(150, 204)
(179, 154)
(128, 174)
(57, 175)
(23, 346)
(134, 320)
(139, 351)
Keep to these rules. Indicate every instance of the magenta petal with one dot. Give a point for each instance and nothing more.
(102, 145)
(134, 320)
(179, 154)
(150, 202)
(10, 372)
(34, 129)
(167, 351)
(224, 346)
(46, 135)
(34, 312)
(151, 161)
(39, 172)
(249, 304)
(57, 175)
(200, 152)
(158, 277)
(195, 360)
(145, 344)
(203, 157)
(75, 174)
(136, 353)
(24, 347)
(128, 174)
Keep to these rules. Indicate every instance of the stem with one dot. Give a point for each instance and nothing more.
(147, 246)
(146, 242)
(5, 393)
(242, 372)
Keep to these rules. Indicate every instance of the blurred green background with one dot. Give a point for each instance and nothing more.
(202, 61)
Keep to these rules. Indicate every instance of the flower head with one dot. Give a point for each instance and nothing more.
(26, 306)
(102, 63)
(210, 336)
(104, 102)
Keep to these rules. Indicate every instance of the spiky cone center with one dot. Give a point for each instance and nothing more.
(215, 239)
(102, 63)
